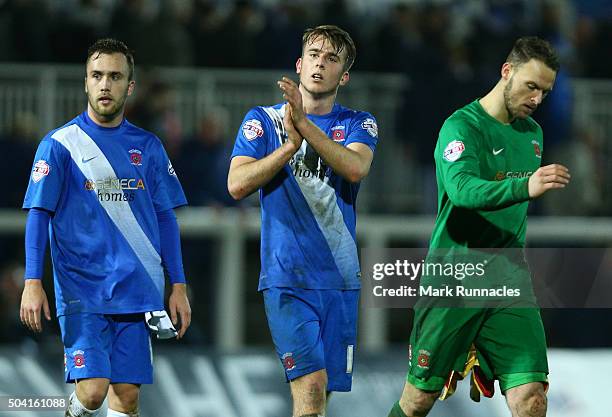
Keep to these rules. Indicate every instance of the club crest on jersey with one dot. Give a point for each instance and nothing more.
(536, 148)
(252, 129)
(135, 156)
(453, 150)
(337, 133)
(41, 169)
(78, 357)
(288, 361)
(370, 126)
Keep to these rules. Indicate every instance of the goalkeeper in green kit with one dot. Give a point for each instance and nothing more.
(488, 159)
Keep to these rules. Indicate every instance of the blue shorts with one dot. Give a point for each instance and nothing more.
(314, 330)
(116, 347)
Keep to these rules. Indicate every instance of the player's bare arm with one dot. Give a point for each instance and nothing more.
(548, 177)
(180, 308)
(247, 174)
(351, 162)
(33, 301)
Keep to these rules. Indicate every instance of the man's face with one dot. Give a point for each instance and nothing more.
(107, 85)
(321, 68)
(526, 87)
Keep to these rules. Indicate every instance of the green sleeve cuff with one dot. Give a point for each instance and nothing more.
(521, 189)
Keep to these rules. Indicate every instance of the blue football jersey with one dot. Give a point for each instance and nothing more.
(307, 211)
(104, 187)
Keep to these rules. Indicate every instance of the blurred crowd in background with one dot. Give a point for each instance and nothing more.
(451, 52)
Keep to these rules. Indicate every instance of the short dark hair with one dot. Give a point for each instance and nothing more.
(112, 46)
(532, 47)
(339, 39)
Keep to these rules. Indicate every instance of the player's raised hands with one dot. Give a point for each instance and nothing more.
(33, 300)
(548, 177)
(294, 137)
(180, 308)
(292, 94)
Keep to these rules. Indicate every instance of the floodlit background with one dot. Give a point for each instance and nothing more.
(201, 64)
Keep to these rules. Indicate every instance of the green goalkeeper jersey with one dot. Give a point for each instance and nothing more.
(482, 170)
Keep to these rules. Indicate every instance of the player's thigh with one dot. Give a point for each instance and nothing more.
(132, 357)
(339, 335)
(513, 344)
(296, 330)
(87, 340)
(439, 343)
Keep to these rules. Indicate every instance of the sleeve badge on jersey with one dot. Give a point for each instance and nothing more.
(536, 148)
(41, 169)
(370, 126)
(453, 150)
(252, 129)
(171, 169)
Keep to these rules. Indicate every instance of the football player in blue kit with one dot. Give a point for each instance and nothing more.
(307, 157)
(103, 192)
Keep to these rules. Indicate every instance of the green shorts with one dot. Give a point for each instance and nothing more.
(510, 342)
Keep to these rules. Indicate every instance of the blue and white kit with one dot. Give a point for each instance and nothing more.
(106, 191)
(308, 246)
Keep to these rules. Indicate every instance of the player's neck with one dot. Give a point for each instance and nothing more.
(102, 122)
(493, 104)
(317, 104)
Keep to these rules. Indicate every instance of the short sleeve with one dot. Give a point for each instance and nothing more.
(364, 129)
(252, 137)
(47, 175)
(167, 190)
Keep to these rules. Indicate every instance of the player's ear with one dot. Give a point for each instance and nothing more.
(131, 86)
(506, 71)
(85, 84)
(298, 65)
(345, 78)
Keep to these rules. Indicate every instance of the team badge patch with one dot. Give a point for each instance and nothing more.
(79, 359)
(252, 129)
(135, 156)
(453, 150)
(171, 169)
(423, 359)
(536, 148)
(370, 126)
(41, 169)
(288, 361)
(337, 133)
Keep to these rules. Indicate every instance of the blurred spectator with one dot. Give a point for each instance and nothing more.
(241, 35)
(133, 22)
(30, 28)
(206, 25)
(171, 36)
(155, 110)
(586, 158)
(78, 24)
(204, 162)
(18, 147)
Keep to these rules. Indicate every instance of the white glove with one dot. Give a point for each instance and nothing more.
(160, 324)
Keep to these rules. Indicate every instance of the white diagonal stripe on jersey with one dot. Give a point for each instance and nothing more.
(276, 116)
(323, 204)
(81, 147)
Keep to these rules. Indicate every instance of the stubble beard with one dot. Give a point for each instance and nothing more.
(109, 113)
